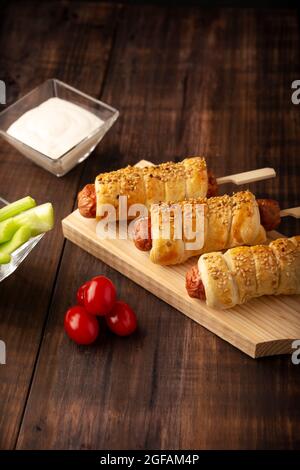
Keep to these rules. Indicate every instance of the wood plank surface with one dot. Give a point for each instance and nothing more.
(57, 44)
(186, 80)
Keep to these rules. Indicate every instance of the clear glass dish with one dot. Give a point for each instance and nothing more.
(19, 255)
(78, 153)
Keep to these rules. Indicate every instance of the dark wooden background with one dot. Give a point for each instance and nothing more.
(187, 80)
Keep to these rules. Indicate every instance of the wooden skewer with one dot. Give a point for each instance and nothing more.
(144, 163)
(239, 178)
(292, 212)
(248, 176)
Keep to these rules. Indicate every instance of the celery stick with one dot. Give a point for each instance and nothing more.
(21, 236)
(16, 207)
(7, 229)
(5, 258)
(40, 219)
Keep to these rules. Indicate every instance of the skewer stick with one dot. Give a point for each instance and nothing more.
(292, 212)
(248, 176)
(143, 164)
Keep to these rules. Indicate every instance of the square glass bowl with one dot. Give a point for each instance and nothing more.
(55, 88)
(18, 255)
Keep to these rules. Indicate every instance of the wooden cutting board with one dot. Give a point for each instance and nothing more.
(262, 327)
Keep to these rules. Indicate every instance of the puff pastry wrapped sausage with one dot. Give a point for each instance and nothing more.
(168, 181)
(243, 273)
(228, 221)
(165, 182)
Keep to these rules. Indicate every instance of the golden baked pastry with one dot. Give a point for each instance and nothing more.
(243, 273)
(228, 222)
(165, 182)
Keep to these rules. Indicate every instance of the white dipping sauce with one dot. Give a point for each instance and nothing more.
(54, 127)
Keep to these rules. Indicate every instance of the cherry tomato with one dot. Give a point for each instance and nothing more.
(80, 326)
(121, 319)
(80, 293)
(99, 296)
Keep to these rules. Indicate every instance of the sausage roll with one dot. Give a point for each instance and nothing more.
(165, 182)
(87, 196)
(227, 222)
(243, 273)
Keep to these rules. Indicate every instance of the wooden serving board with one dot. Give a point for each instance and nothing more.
(262, 327)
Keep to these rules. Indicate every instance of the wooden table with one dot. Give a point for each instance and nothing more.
(186, 80)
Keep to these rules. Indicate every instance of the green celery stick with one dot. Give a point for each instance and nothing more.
(7, 229)
(40, 219)
(21, 236)
(5, 258)
(16, 207)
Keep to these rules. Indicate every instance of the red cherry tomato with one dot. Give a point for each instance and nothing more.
(121, 319)
(80, 326)
(80, 293)
(99, 296)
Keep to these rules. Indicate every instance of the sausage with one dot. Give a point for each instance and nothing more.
(269, 213)
(194, 285)
(142, 234)
(212, 185)
(87, 196)
(87, 201)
